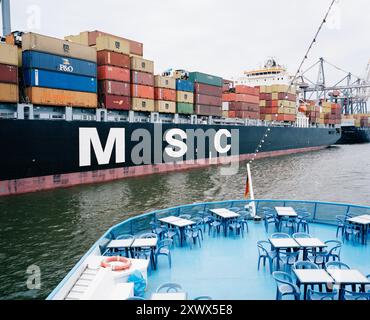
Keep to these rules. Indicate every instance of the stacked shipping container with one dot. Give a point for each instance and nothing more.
(89, 38)
(142, 84)
(8, 73)
(312, 112)
(278, 103)
(58, 73)
(241, 102)
(331, 113)
(207, 94)
(184, 97)
(114, 72)
(165, 94)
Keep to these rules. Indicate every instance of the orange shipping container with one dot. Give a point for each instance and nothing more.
(45, 96)
(8, 92)
(113, 73)
(165, 94)
(139, 91)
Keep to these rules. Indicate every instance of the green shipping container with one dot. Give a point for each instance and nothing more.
(205, 78)
(185, 108)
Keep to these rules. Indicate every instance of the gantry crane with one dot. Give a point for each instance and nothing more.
(352, 92)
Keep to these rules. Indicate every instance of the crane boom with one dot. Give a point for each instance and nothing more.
(5, 9)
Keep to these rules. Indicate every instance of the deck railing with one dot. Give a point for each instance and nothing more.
(321, 212)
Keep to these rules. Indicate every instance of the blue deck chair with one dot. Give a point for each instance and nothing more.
(337, 265)
(265, 253)
(340, 224)
(317, 295)
(299, 235)
(285, 286)
(169, 287)
(333, 250)
(164, 249)
(280, 235)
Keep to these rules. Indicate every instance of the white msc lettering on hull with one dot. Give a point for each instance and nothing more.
(90, 137)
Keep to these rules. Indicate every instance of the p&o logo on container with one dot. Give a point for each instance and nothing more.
(66, 66)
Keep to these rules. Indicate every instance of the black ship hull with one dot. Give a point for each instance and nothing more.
(352, 135)
(41, 154)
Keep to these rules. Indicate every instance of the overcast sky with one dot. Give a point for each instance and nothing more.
(222, 37)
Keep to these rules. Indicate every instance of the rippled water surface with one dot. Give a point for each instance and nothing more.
(54, 229)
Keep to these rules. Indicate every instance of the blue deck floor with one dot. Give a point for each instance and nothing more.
(226, 268)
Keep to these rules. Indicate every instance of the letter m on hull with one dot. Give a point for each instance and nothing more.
(90, 137)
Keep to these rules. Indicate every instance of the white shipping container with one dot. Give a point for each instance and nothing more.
(225, 106)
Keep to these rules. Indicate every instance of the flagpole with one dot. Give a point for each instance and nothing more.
(252, 204)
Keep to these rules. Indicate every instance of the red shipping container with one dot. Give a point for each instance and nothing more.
(208, 100)
(115, 102)
(144, 92)
(208, 110)
(142, 78)
(164, 94)
(115, 88)
(240, 97)
(113, 73)
(247, 90)
(135, 47)
(247, 114)
(238, 106)
(116, 59)
(205, 89)
(8, 74)
(268, 96)
(287, 96)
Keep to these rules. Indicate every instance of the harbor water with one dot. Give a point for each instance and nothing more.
(52, 230)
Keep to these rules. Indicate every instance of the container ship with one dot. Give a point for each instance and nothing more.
(89, 109)
(355, 129)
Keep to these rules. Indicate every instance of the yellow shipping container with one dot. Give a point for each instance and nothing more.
(225, 114)
(112, 44)
(275, 96)
(268, 89)
(165, 106)
(8, 54)
(139, 104)
(262, 89)
(8, 92)
(142, 65)
(82, 38)
(268, 117)
(185, 97)
(165, 82)
(38, 42)
(262, 103)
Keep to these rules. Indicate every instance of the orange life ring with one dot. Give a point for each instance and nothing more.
(125, 263)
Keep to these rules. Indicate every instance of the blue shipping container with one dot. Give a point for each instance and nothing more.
(184, 85)
(59, 80)
(46, 61)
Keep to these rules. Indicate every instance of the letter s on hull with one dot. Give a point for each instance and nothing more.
(170, 138)
(89, 137)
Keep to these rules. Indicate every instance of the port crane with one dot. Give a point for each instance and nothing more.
(5, 10)
(351, 91)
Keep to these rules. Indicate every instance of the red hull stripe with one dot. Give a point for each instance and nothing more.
(27, 185)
